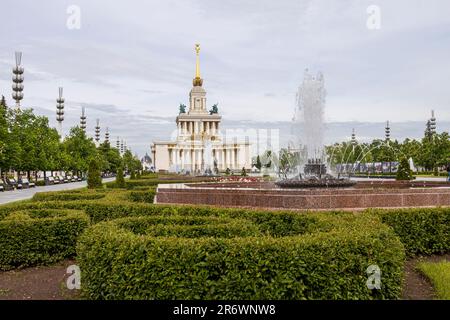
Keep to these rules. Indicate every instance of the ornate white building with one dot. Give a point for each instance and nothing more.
(199, 144)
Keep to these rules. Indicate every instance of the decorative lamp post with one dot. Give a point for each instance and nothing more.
(97, 131)
(83, 119)
(387, 132)
(17, 86)
(60, 111)
(107, 135)
(354, 142)
(432, 123)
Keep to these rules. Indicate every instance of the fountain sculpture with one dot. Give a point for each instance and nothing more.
(308, 123)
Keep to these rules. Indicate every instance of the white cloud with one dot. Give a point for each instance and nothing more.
(138, 56)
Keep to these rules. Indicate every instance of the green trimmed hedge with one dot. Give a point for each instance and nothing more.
(39, 236)
(421, 230)
(67, 196)
(318, 256)
(142, 196)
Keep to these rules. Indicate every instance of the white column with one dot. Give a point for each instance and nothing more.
(193, 160)
(233, 160)
(177, 157)
(224, 158)
(173, 156)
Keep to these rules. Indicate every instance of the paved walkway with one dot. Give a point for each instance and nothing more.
(16, 195)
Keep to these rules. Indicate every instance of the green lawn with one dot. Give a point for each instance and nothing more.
(439, 274)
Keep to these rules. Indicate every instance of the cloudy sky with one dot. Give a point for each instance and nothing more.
(132, 62)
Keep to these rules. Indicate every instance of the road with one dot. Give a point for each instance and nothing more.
(16, 195)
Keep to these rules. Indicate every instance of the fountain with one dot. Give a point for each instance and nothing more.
(308, 122)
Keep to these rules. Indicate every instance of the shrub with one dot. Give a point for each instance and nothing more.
(132, 175)
(404, 171)
(210, 257)
(39, 236)
(66, 196)
(421, 230)
(142, 196)
(120, 181)
(94, 179)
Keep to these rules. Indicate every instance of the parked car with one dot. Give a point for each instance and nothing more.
(13, 183)
(63, 179)
(6, 185)
(26, 183)
(49, 181)
(2, 189)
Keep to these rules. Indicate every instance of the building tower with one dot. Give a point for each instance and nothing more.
(60, 110)
(121, 146)
(354, 142)
(83, 119)
(97, 132)
(118, 144)
(387, 132)
(17, 86)
(107, 135)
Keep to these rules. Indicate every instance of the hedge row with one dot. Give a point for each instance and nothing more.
(421, 230)
(38, 236)
(325, 257)
(67, 196)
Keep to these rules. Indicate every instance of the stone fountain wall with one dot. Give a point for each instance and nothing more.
(356, 198)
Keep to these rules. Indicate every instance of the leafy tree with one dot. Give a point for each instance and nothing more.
(80, 149)
(111, 158)
(94, 179)
(4, 135)
(404, 171)
(287, 162)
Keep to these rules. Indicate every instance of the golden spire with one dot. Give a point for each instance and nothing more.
(197, 80)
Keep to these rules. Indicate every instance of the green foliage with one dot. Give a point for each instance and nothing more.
(287, 162)
(67, 196)
(161, 257)
(120, 180)
(422, 231)
(228, 171)
(33, 237)
(143, 196)
(243, 172)
(80, 149)
(94, 179)
(133, 175)
(439, 275)
(404, 171)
